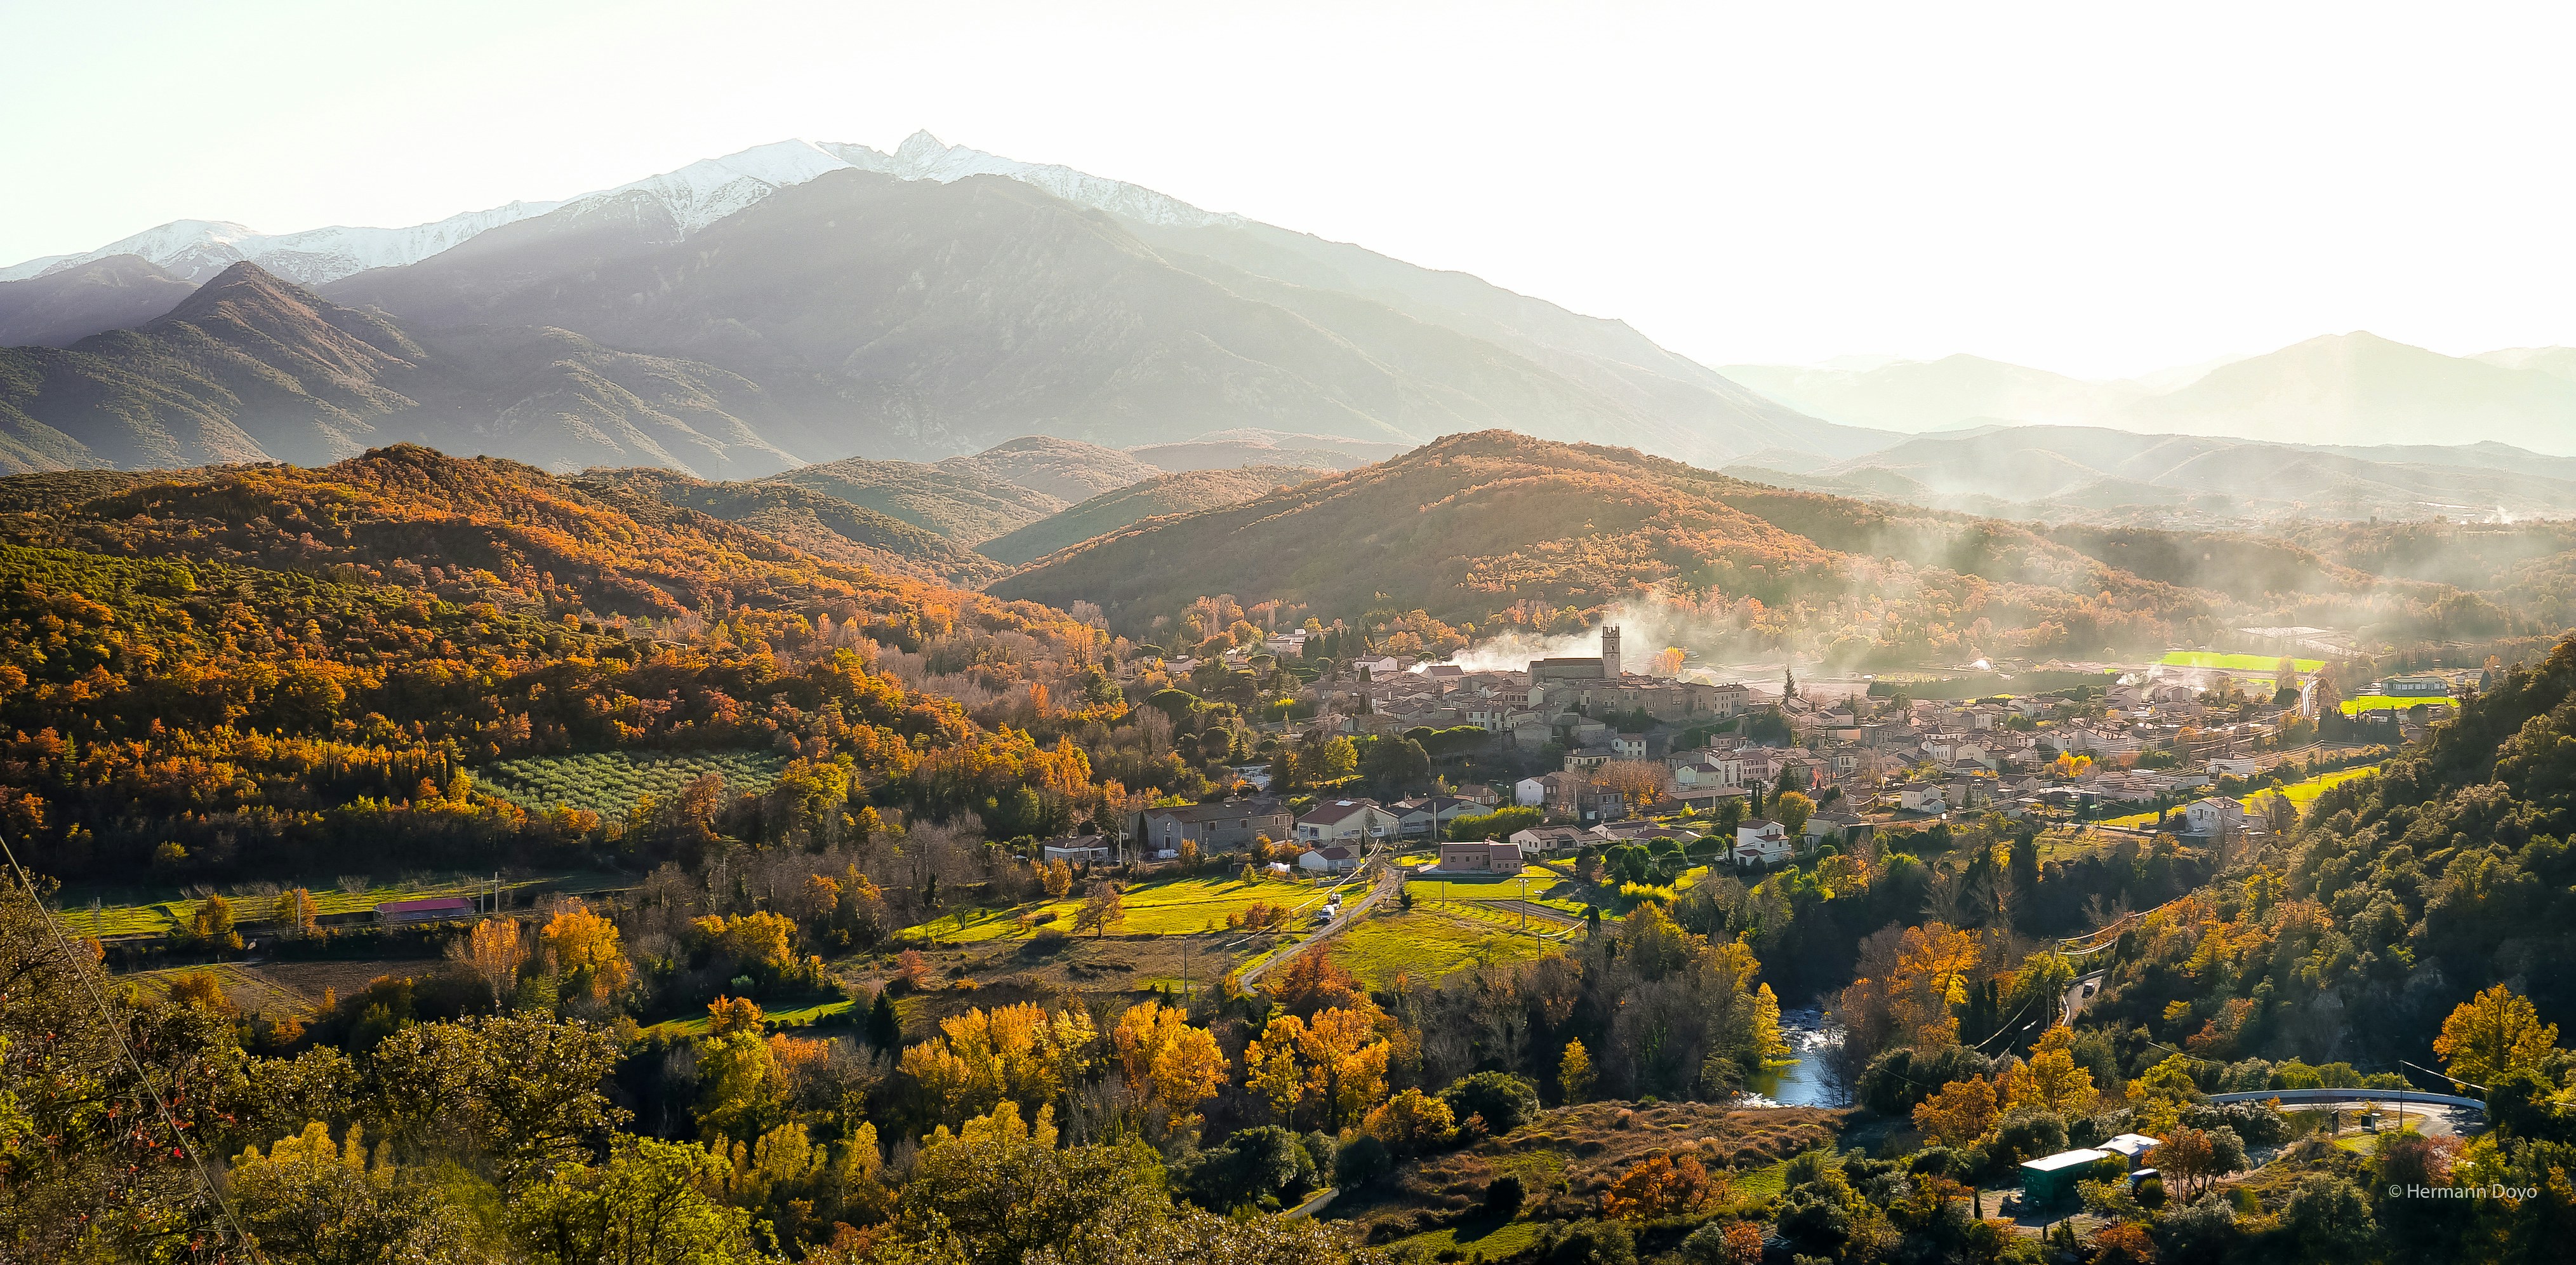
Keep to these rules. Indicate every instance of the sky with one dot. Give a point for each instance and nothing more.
(2101, 190)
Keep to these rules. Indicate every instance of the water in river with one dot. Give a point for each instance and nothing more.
(1799, 1082)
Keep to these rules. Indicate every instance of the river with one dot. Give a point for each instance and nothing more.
(1800, 1081)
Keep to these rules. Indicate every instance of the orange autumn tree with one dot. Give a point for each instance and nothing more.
(1658, 1186)
(1958, 1113)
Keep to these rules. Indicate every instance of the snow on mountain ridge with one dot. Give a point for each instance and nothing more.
(695, 196)
(709, 190)
(194, 250)
(923, 156)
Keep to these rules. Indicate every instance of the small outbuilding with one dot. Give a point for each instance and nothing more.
(2051, 1178)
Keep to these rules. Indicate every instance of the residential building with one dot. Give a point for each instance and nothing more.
(1076, 850)
(1583, 758)
(1529, 792)
(1761, 841)
(2215, 815)
(1345, 821)
(1482, 857)
(1429, 816)
(1335, 860)
(1921, 797)
(1551, 840)
(1228, 826)
(1628, 746)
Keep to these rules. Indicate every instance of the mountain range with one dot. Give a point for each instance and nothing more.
(2347, 389)
(813, 302)
(2096, 474)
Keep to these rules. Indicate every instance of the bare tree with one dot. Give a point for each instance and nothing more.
(492, 952)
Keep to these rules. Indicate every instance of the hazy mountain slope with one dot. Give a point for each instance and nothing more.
(2557, 362)
(1066, 469)
(824, 526)
(2249, 567)
(1178, 493)
(61, 308)
(253, 368)
(894, 317)
(1909, 395)
(2067, 470)
(2359, 388)
(1230, 449)
(961, 505)
(1605, 357)
(1479, 527)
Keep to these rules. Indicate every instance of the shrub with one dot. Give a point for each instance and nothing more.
(1505, 1101)
(1362, 1163)
(1504, 1196)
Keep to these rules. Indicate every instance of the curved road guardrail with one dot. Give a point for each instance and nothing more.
(2414, 1097)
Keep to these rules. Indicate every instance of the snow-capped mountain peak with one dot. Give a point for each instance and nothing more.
(710, 189)
(923, 156)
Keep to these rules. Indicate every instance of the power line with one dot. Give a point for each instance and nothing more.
(116, 1033)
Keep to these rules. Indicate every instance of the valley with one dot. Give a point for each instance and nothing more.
(891, 708)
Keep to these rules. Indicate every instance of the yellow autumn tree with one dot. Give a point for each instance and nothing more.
(1346, 1062)
(587, 950)
(1270, 1070)
(1017, 1053)
(1574, 1074)
(2494, 1033)
(1931, 977)
(1410, 1123)
(2050, 1080)
(1166, 1060)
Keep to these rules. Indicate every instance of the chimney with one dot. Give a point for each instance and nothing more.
(1610, 651)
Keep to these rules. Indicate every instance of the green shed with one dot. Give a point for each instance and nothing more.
(2052, 1178)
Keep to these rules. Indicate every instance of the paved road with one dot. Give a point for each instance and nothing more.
(2080, 992)
(1388, 883)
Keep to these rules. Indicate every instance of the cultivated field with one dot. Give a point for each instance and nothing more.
(609, 783)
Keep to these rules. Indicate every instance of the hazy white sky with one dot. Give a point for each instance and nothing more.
(2092, 188)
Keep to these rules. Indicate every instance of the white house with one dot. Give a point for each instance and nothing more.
(1923, 797)
(1628, 746)
(1329, 861)
(2208, 817)
(2234, 766)
(1346, 821)
(1529, 792)
(1761, 841)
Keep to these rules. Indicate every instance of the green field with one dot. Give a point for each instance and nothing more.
(162, 917)
(1172, 907)
(2300, 793)
(609, 782)
(2388, 703)
(1481, 1237)
(2263, 663)
(1424, 945)
(797, 1017)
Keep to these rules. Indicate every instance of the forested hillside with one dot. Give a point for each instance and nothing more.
(824, 526)
(1496, 528)
(1178, 493)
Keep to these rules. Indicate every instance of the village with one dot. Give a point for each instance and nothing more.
(1599, 754)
